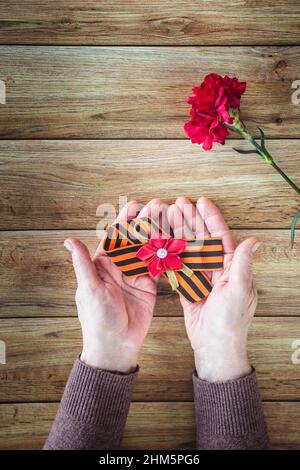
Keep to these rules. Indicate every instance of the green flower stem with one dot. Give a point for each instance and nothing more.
(295, 218)
(239, 127)
(287, 179)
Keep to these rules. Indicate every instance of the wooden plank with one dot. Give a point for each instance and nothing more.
(38, 278)
(149, 425)
(60, 184)
(139, 22)
(40, 353)
(172, 425)
(138, 92)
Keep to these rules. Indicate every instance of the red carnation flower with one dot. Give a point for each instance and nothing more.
(216, 109)
(211, 103)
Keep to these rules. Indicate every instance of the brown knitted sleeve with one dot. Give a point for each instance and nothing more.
(229, 414)
(93, 409)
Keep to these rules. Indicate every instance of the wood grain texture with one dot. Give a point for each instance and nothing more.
(139, 22)
(149, 425)
(138, 92)
(51, 189)
(40, 353)
(38, 278)
(60, 184)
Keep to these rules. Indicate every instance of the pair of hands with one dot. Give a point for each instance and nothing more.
(115, 311)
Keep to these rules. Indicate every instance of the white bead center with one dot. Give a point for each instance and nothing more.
(161, 253)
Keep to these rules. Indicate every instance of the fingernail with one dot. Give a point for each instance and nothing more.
(68, 245)
(256, 246)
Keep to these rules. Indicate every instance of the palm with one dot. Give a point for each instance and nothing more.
(204, 220)
(132, 298)
(205, 318)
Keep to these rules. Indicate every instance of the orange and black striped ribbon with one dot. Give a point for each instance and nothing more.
(125, 238)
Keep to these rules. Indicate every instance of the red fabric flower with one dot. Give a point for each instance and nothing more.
(161, 253)
(210, 109)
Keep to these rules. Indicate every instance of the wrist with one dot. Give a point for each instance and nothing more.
(120, 361)
(226, 360)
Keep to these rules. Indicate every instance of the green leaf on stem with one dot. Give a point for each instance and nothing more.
(295, 218)
(262, 138)
(245, 152)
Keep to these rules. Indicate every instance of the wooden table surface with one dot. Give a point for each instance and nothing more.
(95, 109)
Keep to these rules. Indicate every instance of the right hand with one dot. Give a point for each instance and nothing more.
(115, 311)
(218, 326)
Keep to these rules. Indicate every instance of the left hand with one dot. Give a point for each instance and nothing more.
(218, 326)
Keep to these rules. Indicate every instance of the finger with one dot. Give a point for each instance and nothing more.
(178, 223)
(84, 268)
(127, 212)
(152, 209)
(254, 288)
(215, 223)
(241, 265)
(157, 211)
(192, 217)
(163, 220)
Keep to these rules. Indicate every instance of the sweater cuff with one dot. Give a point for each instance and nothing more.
(231, 408)
(97, 396)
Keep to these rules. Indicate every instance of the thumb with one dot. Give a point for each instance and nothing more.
(84, 267)
(241, 265)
